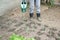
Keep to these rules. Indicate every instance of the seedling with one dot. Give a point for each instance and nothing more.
(17, 37)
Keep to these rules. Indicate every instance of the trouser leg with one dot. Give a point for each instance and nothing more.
(31, 7)
(38, 7)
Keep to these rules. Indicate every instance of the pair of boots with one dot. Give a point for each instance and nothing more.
(31, 15)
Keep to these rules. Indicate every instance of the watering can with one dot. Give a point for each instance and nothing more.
(23, 5)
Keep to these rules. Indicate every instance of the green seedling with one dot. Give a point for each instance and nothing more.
(17, 37)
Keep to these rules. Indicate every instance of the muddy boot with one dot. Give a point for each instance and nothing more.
(38, 16)
(31, 15)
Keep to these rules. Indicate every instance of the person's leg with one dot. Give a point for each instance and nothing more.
(31, 7)
(38, 8)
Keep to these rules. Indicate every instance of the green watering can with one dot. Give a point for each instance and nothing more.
(17, 37)
(23, 5)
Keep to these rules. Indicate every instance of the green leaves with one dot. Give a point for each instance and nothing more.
(17, 37)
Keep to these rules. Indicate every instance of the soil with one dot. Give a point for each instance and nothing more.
(47, 28)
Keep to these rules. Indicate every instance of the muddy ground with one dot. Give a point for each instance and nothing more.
(48, 28)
